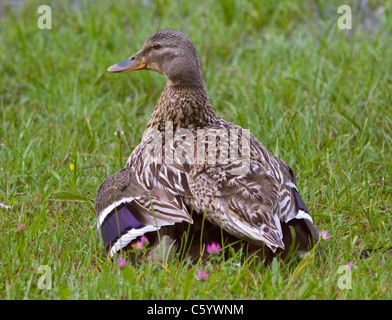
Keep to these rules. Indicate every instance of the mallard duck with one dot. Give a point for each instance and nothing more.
(191, 164)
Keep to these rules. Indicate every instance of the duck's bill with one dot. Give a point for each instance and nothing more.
(127, 65)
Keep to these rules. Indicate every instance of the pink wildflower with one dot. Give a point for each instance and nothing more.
(214, 248)
(202, 275)
(324, 234)
(122, 263)
(143, 239)
(142, 243)
(21, 227)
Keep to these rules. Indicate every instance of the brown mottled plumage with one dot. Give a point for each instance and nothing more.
(248, 194)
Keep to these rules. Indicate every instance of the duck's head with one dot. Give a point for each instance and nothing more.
(169, 52)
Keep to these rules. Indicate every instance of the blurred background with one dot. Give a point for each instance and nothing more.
(282, 69)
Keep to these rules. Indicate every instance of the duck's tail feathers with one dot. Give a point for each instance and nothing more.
(294, 212)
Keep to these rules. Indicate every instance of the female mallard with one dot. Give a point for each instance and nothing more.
(192, 161)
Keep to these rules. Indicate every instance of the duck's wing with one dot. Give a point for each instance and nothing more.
(256, 205)
(292, 207)
(125, 210)
(250, 206)
(246, 206)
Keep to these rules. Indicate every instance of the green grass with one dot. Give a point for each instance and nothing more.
(316, 96)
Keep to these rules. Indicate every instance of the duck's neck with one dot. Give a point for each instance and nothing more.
(185, 107)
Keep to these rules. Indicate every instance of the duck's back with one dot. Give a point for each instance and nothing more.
(224, 173)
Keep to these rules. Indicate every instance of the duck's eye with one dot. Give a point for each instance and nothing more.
(156, 46)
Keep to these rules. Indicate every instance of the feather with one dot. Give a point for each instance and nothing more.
(125, 210)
